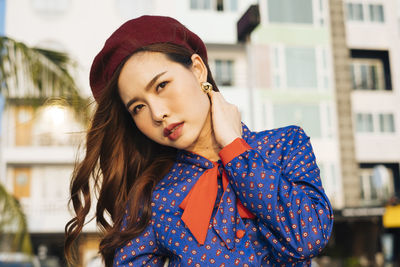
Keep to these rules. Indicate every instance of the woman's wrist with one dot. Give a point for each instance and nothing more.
(233, 149)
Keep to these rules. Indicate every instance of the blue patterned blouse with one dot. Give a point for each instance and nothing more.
(276, 178)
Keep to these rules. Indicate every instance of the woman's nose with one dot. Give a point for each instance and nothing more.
(159, 111)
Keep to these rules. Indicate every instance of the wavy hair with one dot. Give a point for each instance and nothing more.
(121, 167)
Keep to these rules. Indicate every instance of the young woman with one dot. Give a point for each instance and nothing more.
(178, 176)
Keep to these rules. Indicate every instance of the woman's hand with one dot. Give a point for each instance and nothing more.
(226, 119)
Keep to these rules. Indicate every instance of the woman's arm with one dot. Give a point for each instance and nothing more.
(140, 251)
(288, 200)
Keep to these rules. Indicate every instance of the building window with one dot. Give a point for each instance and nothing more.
(200, 4)
(232, 5)
(377, 184)
(290, 11)
(22, 182)
(301, 67)
(368, 191)
(386, 123)
(370, 69)
(376, 13)
(321, 12)
(364, 123)
(367, 74)
(23, 125)
(364, 12)
(355, 12)
(224, 72)
(218, 5)
(306, 116)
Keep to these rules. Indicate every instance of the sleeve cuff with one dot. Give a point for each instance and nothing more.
(234, 149)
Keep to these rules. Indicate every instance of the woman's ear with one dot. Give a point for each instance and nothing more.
(199, 69)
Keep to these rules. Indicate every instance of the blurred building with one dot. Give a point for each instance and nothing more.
(373, 44)
(331, 67)
(345, 55)
(292, 79)
(335, 65)
(40, 146)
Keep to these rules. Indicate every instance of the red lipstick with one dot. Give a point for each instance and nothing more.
(173, 131)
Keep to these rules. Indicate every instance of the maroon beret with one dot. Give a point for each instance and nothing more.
(133, 35)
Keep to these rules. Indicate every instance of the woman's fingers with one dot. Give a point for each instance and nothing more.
(226, 119)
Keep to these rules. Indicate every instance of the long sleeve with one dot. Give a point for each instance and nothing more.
(286, 195)
(140, 251)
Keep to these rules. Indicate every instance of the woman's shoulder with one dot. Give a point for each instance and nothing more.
(277, 144)
(287, 135)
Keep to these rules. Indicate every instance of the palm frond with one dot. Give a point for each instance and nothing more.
(33, 75)
(14, 234)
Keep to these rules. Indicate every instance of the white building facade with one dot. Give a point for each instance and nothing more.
(283, 75)
(293, 79)
(40, 147)
(375, 66)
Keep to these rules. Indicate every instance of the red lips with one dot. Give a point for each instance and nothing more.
(171, 128)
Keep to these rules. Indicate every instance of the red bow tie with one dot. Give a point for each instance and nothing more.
(199, 203)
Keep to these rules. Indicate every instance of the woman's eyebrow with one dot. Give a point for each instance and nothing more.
(148, 86)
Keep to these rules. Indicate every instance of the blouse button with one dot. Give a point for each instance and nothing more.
(239, 233)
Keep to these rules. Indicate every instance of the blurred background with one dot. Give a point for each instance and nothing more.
(329, 66)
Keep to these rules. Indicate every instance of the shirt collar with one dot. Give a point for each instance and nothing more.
(190, 158)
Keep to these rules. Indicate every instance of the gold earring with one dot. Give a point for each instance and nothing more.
(206, 87)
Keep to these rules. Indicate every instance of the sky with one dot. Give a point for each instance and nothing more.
(2, 15)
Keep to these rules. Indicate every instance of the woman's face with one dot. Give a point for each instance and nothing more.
(165, 98)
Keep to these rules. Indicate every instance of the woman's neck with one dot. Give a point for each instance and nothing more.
(206, 145)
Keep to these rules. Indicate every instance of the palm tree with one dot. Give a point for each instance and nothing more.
(30, 76)
(13, 229)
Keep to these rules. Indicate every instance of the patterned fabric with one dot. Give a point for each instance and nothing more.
(277, 180)
(199, 203)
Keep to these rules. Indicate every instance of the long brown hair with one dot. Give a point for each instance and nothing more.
(122, 165)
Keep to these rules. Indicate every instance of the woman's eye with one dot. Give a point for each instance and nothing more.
(137, 108)
(161, 86)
